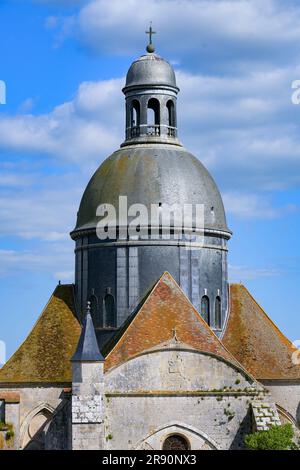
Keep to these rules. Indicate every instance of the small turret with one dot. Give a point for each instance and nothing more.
(151, 95)
(87, 390)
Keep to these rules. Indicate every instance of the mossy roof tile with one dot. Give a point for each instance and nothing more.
(255, 340)
(165, 310)
(45, 354)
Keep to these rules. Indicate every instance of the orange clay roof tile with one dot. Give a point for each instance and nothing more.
(255, 340)
(166, 308)
(10, 397)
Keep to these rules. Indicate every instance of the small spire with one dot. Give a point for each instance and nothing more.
(150, 48)
(87, 348)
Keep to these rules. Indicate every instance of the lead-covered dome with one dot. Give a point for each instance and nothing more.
(150, 69)
(148, 175)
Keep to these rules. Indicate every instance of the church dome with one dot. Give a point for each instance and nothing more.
(144, 208)
(152, 70)
(148, 174)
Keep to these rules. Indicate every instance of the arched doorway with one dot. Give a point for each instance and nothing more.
(176, 442)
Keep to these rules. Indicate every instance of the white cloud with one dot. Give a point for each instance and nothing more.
(241, 123)
(46, 210)
(242, 128)
(84, 129)
(246, 273)
(191, 26)
(254, 206)
(37, 261)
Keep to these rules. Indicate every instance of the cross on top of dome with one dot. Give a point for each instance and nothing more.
(150, 48)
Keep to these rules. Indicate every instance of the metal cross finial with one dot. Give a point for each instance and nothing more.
(150, 47)
(150, 32)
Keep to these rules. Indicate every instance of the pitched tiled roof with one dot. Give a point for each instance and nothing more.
(255, 341)
(166, 308)
(250, 339)
(45, 354)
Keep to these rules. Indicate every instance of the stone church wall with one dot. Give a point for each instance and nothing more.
(30, 416)
(201, 395)
(286, 393)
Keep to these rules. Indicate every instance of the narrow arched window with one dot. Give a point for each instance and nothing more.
(171, 113)
(205, 308)
(135, 113)
(153, 117)
(109, 311)
(218, 313)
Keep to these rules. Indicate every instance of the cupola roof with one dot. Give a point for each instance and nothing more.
(150, 70)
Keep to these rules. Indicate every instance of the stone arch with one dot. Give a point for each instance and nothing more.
(196, 438)
(153, 117)
(171, 113)
(286, 417)
(33, 427)
(135, 113)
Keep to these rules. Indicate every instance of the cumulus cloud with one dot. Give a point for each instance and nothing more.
(254, 206)
(39, 261)
(212, 29)
(82, 129)
(242, 128)
(237, 118)
(246, 273)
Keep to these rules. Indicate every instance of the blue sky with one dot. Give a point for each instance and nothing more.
(64, 64)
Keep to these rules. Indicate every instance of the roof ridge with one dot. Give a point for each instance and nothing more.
(206, 331)
(32, 329)
(135, 314)
(56, 323)
(209, 329)
(267, 316)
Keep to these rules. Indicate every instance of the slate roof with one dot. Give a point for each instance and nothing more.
(87, 349)
(255, 340)
(45, 354)
(165, 309)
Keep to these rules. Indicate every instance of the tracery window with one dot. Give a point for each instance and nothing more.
(176, 442)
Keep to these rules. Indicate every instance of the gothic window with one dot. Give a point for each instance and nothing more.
(153, 115)
(171, 113)
(176, 442)
(135, 113)
(205, 308)
(218, 315)
(109, 311)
